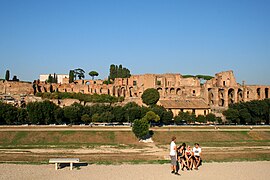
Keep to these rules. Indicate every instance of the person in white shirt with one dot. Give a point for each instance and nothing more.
(197, 151)
(173, 149)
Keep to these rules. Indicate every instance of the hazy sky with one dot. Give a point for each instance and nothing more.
(146, 36)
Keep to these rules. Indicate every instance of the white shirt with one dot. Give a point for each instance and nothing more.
(172, 149)
(197, 151)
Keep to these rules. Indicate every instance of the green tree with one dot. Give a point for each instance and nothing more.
(7, 75)
(150, 96)
(140, 128)
(201, 119)
(72, 114)
(71, 76)
(232, 115)
(50, 79)
(15, 78)
(86, 118)
(79, 72)
(93, 74)
(22, 116)
(113, 72)
(151, 117)
(59, 115)
(211, 117)
(185, 116)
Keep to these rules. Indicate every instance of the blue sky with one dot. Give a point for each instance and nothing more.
(146, 36)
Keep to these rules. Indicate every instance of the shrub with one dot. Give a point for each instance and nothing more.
(140, 128)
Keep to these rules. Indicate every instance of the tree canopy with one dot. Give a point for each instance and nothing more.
(150, 96)
(93, 74)
(118, 72)
(252, 112)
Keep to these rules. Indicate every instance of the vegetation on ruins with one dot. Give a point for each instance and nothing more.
(118, 72)
(79, 73)
(7, 76)
(71, 76)
(150, 96)
(93, 74)
(204, 77)
(15, 78)
(252, 112)
(52, 79)
(95, 98)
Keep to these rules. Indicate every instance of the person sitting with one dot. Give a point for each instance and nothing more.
(189, 160)
(181, 157)
(197, 155)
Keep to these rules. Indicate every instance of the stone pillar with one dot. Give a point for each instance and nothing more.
(226, 102)
(235, 95)
(215, 99)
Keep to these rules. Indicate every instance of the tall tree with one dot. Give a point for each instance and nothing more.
(71, 76)
(93, 74)
(112, 72)
(50, 79)
(120, 71)
(7, 75)
(79, 72)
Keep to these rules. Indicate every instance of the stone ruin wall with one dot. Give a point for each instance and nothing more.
(218, 92)
(16, 88)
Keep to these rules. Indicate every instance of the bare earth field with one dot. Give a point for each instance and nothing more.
(209, 171)
(115, 153)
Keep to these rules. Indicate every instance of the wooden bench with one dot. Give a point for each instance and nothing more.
(64, 160)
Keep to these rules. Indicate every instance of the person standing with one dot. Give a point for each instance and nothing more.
(173, 149)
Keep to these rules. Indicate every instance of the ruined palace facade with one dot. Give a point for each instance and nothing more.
(217, 92)
(176, 92)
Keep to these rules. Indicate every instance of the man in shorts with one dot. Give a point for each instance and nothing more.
(173, 149)
(197, 155)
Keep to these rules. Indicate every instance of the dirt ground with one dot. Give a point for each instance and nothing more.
(209, 171)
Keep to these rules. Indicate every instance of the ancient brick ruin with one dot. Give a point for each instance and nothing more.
(217, 93)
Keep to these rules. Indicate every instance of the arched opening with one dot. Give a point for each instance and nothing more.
(108, 91)
(44, 88)
(221, 97)
(87, 83)
(266, 93)
(221, 102)
(178, 91)
(240, 95)
(231, 96)
(123, 91)
(172, 91)
(113, 91)
(100, 90)
(130, 92)
(258, 93)
(210, 97)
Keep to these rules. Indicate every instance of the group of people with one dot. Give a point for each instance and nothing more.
(184, 157)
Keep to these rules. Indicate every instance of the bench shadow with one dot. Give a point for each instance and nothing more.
(75, 165)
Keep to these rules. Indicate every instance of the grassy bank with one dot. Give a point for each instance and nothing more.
(218, 146)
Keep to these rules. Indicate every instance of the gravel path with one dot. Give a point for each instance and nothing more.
(209, 171)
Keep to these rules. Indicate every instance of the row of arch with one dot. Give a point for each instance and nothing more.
(231, 95)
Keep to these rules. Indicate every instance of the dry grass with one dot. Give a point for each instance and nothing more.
(71, 139)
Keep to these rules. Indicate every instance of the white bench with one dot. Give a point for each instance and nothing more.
(64, 160)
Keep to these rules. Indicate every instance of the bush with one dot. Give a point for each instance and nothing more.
(140, 128)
